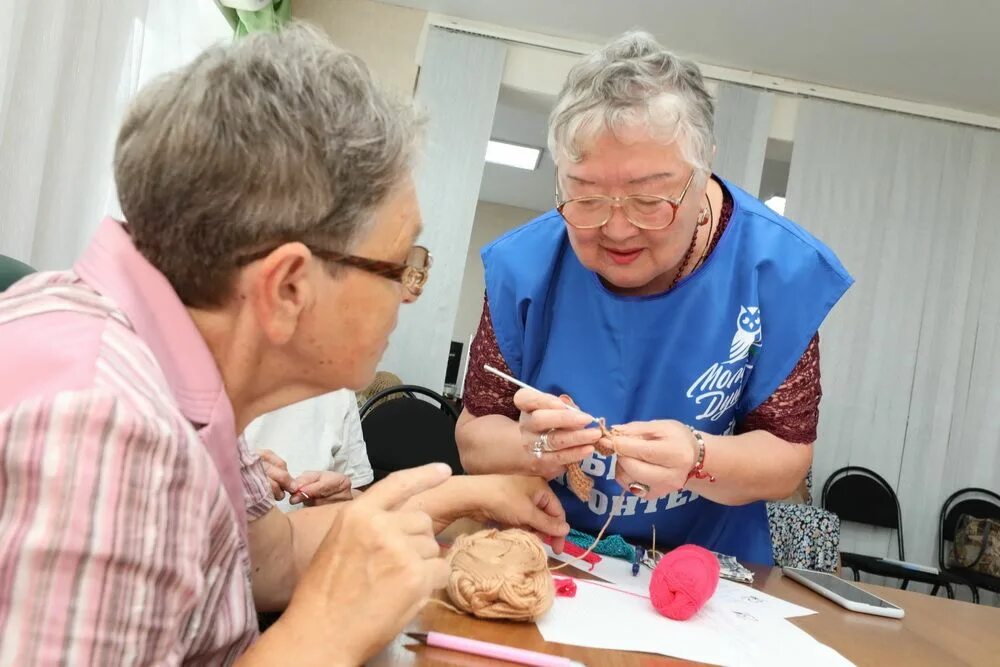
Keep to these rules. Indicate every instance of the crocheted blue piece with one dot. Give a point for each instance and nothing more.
(613, 545)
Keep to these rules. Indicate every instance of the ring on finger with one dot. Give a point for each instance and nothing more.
(546, 447)
(638, 489)
(538, 448)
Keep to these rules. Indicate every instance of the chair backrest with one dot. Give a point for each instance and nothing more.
(974, 501)
(863, 496)
(383, 380)
(410, 430)
(11, 270)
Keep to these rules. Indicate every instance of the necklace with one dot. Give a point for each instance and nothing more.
(711, 233)
(690, 250)
(687, 258)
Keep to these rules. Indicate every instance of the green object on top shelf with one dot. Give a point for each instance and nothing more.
(267, 19)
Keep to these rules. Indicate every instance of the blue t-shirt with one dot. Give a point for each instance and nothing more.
(706, 353)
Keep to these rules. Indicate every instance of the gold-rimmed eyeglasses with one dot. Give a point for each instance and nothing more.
(412, 274)
(651, 212)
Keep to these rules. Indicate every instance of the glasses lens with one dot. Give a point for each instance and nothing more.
(649, 212)
(587, 212)
(419, 258)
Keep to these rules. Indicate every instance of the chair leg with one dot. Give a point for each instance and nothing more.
(857, 576)
(902, 586)
(951, 593)
(975, 594)
(935, 590)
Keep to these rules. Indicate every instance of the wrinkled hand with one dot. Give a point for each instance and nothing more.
(659, 454)
(277, 473)
(373, 572)
(320, 488)
(515, 501)
(571, 434)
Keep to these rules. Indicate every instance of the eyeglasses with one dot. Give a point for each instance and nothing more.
(643, 211)
(412, 274)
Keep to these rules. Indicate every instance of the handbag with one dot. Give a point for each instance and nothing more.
(977, 544)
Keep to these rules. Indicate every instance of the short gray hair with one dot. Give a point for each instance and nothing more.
(634, 82)
(274, 138)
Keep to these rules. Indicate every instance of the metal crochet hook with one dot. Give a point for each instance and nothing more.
(524, 385)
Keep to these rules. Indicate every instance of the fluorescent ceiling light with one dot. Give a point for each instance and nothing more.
(776, 204)
(512, 155)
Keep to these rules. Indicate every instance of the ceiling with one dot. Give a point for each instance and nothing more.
(521, 118)
(943, 53)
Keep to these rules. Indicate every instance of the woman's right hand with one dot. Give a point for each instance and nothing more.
(376, 568)
(571, 433)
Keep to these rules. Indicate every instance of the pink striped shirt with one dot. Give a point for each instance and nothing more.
(124, 491)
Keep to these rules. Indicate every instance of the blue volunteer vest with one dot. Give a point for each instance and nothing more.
(705, 353)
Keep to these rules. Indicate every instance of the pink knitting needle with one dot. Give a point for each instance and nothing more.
(497, 651)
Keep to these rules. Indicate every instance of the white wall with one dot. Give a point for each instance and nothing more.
(386, 37)
(491, 221)
(456, 66)
(909, 357)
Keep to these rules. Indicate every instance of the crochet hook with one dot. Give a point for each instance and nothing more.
(523, 385)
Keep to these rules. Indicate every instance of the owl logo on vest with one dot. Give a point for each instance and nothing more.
(746, 342)
(719, 388)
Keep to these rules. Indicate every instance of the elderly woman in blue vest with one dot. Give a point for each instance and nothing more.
(663, 299)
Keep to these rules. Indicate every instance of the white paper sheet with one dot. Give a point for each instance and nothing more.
(604, 617)
(738, 597)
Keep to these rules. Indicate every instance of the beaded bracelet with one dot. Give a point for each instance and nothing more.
(698, 471)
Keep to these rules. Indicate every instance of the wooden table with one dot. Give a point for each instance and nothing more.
(935, 631)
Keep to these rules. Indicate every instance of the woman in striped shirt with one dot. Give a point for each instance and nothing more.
(270, 242)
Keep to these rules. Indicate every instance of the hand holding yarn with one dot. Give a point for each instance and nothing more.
(683, 581)
(518, 501)
(658, 453)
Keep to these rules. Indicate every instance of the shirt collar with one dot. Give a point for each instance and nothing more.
(113, 266)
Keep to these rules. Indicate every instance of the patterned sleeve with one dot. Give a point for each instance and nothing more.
(99, 524)
(485, 393)
(792, 411)
(257, 496)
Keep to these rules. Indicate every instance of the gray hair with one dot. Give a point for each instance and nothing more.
(274, 138)
(634, 82)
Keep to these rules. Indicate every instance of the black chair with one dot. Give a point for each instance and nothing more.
(861, 495)
(982, 504)
(12, 270)
(416, 427)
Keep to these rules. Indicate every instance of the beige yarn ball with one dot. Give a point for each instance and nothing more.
(500, 574)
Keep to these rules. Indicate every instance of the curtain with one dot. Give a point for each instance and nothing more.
(457, 88)
(247, 16)
(910, 356)
(67, 71)
(742, 125)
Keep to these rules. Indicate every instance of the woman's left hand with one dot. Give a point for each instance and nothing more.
(659, 454)
(517, 501)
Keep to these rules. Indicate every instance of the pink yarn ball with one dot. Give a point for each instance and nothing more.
(683, 581)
